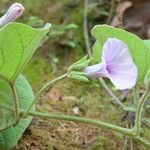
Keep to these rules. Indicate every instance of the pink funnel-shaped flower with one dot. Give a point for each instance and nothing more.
(15, 11)
(117, 65)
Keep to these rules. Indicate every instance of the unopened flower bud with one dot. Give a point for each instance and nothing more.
(15, 11)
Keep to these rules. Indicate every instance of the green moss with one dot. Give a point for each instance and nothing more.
(37, 70)
(102, 143)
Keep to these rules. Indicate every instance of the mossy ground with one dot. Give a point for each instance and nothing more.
(67, 95)
(62, 98)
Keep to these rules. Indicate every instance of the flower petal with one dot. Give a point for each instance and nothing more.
(121, 68)
(123, 76)
(117, 65)
(115, 51)
(97, 70)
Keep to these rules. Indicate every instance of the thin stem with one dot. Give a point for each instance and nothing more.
(85, 24)
(49, 84)
(87, 42)
(80, 119)
(16, 101)
(109, 91)
(143, 141)
(135, 96)
(138, 112)
(42, 90)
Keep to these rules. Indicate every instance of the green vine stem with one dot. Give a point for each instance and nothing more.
(134, 132)
(143, 141)
(16, 101)
(81, 120)
(42, 90)
(122, 130)
(138, 112)
(115, 98)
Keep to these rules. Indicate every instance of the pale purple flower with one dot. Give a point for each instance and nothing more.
(15, 11)
(116, 64)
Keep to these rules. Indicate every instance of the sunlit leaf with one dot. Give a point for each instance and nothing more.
(17, 44)
(147, 43)
(9, 137)
(6, 105)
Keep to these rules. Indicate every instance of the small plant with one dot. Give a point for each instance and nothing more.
(118, 55)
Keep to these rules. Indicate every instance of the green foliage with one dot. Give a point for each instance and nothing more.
(78, 76)
(74, 70)
(57, 30)
(35, 21)
(6, 104)
(17, 44)
(62, 33)
(10, 136)
(37, 71)
(80, 64)
(147, 43)
(138, 50)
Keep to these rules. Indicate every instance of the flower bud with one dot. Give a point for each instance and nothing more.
(80, 76)
(15, 11)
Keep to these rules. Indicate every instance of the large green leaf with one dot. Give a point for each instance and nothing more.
(6, 104)
(9, 137)
(137, 48)
(17, 44)
(147, 43)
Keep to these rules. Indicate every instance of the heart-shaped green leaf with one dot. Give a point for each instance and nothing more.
(9, 137)
(6, 105)
(137, 48)
(17, 44)
(147, 43)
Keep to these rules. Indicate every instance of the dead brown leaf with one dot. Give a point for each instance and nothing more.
(122, 6)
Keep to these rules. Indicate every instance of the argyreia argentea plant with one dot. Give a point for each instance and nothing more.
(118, 55)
